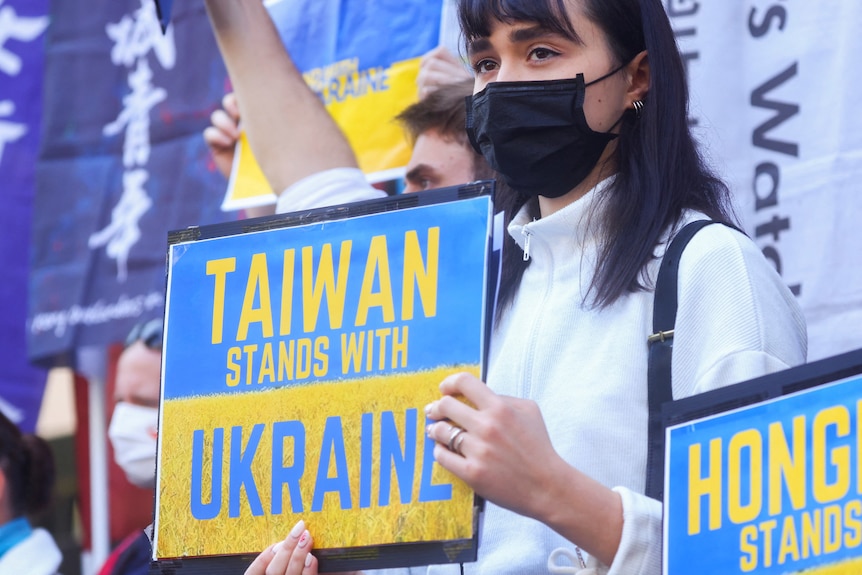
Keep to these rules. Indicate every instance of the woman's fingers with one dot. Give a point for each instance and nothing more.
(292, 556)
(463, 446)
(283, 551)
(301, 560)
(261, 562)
(470, 387)
(454, 419)
(450, 413)
(453, 410)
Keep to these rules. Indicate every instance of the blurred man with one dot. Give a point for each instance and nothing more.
(133, 434)
(134, 424)
(442, 155)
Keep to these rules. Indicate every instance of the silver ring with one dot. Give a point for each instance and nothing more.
(454, 445)
(458, 442)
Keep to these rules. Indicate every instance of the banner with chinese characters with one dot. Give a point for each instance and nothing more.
(361, 57)
(22, 33)
(297, 363)
(122, 162)
(777, 110)
(774, 488)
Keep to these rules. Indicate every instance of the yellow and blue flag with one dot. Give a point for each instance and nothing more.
(361, 57)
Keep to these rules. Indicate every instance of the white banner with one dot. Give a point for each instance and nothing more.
(775, 98)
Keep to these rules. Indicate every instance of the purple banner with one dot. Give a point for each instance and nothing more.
(22, 31)
(122, 162)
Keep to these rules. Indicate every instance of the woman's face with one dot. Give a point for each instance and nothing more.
(525, 51)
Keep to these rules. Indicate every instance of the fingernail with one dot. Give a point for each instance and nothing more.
(297, 529)
(428, 411)
(303, 541)
(308, 560)
(428, 429)
(277, 547)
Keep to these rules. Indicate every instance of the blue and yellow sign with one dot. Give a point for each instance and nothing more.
(297, 362)
(361, 57)
(775, 488)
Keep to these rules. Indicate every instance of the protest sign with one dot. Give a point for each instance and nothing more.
(771, 488)
(297, 363)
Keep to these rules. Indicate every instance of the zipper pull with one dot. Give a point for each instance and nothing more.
(527, 236)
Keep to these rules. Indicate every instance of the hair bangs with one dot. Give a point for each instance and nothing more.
(477, 16)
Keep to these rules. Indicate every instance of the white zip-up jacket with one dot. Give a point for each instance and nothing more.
(587, 368)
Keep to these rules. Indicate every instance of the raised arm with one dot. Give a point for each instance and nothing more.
(291, 133)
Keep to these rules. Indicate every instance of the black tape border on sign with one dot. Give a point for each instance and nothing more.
(332, 213)
(763, 388)
(334, 560)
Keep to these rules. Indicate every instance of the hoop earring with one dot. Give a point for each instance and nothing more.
(638, 106)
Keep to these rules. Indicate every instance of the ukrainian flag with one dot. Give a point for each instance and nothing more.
(362, 58)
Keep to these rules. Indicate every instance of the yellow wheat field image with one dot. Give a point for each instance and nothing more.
(341, 426)
(849, 567)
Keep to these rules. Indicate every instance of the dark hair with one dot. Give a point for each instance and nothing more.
(28, 464)
(660, 172)
(443, 110)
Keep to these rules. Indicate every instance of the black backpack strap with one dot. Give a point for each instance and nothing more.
(660, 344)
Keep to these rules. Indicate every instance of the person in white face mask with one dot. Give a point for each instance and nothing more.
(133, 432)
(134, 423)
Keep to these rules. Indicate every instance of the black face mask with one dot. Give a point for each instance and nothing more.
(535, 134)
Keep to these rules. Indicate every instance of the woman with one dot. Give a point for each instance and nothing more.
(581, 106)
(26, 482)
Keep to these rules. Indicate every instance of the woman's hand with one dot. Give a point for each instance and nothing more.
(504, 453)
(289, 557)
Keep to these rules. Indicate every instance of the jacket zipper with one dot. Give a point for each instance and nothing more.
(527, 236)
